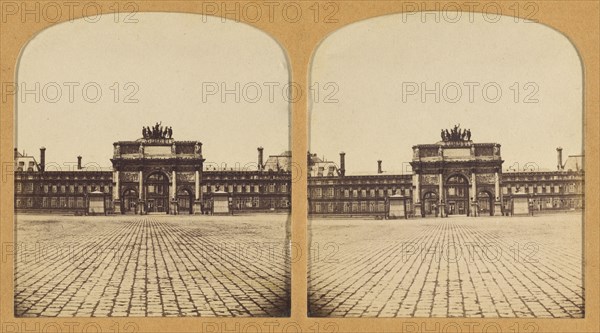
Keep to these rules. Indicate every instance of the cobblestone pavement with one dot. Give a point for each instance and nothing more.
(151, 266)
(454, 267)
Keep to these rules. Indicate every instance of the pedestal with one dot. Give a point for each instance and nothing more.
(497, 208)
(418, 210)
(141, 207)
(117, 206)
(443, 210)
(474, 210)
(197, 207)
(174, 209)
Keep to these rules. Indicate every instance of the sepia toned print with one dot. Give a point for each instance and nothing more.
(164, 213)
(472, 221)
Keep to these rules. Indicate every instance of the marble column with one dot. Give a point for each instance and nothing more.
(417, 194)
(173, 199)
(116, 193)
(474, 212)
(441, 203)
(498, 200)
(197, 194)
(141, 204)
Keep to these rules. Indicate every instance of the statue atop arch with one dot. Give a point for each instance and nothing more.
(157, 131)
(456, 134)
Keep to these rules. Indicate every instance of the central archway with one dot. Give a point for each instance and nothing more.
(129, 200)
(157, 192)
(185, 201)
(430, 201)
(457, 195)
(485, 203)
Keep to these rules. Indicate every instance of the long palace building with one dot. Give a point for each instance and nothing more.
(154, 174)
(454, 176)
(157, 174)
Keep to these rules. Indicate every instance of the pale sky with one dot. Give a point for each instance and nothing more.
(170, 57)
(376, 118)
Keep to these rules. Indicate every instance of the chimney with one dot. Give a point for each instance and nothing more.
(16, 153)
(559, 162)
(78, 162)
(42, 159)
(260, 159)
(342, 164)
(379, 167)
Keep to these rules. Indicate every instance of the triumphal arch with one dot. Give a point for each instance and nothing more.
(156, 174)
(456, 176)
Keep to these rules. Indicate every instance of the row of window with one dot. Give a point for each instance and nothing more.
(73, 188)
(54, 202)
(348, 207)
(540, 189)
(270, 188)
(556, 203)
(508, 177)
(330, 192)
(208, 176)
(255, 202)
(367, 181)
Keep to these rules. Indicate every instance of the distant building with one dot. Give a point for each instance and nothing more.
(152, 175)
(318, 167)
(25, 163)
(278, 163)
(450, 177)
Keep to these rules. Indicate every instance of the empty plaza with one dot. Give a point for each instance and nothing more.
(453, 267)
(152, 265)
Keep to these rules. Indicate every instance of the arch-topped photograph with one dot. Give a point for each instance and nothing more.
(488, 122)
(169, 134)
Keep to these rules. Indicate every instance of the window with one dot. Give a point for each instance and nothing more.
(331, 171)
(317, 192)
(320, 173)
(329, 192)
(19, 187)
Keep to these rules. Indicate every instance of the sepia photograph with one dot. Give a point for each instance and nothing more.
(152, 172)
(448, 178)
